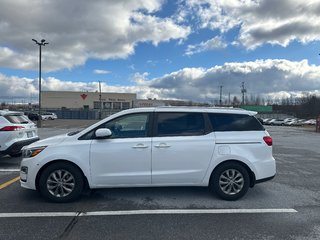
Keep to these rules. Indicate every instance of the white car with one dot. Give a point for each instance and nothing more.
(310, 122)
(277, 122)
(48, 116)
(226, 149)
(16, 131)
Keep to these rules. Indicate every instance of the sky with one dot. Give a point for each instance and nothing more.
(164, 49)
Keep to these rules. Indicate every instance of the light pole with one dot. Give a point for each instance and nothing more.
(40, 44)
(220, 100)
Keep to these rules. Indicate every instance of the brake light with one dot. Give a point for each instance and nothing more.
(11, 128)
(268, 140)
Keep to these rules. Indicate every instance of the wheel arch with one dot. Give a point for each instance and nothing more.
(86, 183)
(252, 176)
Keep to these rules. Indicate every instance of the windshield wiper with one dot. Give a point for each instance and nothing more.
(73, 133)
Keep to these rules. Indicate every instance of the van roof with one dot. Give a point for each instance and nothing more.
(193, 109)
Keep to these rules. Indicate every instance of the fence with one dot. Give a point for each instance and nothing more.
(80, 113)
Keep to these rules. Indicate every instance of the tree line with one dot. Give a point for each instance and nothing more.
(307, 106)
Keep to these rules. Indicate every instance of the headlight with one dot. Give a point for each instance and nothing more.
(32, 152)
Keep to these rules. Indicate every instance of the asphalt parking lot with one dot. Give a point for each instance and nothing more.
(285, 208)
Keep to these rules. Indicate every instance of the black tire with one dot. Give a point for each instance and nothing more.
(70, 177)
(232, 177)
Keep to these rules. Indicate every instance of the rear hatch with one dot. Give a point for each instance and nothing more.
(21, 125)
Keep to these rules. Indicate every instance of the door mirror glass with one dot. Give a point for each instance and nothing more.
(102, 133)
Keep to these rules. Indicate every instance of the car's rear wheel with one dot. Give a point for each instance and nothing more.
(61, 182)
(230, 181)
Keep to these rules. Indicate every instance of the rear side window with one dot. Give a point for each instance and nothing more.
(17, 119)
(234, 122)
(180, 124)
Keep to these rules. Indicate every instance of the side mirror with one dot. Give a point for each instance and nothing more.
(103, 133)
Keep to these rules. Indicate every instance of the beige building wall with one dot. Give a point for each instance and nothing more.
(86, 100)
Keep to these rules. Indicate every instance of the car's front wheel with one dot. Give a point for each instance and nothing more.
(61, 182)
(230, 181)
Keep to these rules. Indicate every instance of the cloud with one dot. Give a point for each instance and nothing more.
(78, 30)
(271, 78)
(99, 71)
(16, 89)
(259, 22)
(261, 77)
(214, 43)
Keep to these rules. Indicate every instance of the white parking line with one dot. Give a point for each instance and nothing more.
(147, 212)
(9, 170)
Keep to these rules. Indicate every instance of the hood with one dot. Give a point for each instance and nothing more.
(49, 141)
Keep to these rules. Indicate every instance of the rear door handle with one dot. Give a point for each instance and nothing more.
(139, 146)
(162, 145)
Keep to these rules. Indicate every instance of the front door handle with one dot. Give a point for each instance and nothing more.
(139, 146)
(162, 145)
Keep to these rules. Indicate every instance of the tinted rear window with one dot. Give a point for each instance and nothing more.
(17, 119)
(180, 124)
(234, 122)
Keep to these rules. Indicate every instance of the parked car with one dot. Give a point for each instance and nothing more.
(310, 122)
(265, 120)
(270, 121)
(48, 116)
(277, 122)
(300, 122)
(227, 150)
(32, 116)
(290, 122)
(16, 131)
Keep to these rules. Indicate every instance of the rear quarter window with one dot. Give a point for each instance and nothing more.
(222, 122)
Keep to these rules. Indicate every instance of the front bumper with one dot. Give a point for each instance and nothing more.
(28, 173)
(17, 146)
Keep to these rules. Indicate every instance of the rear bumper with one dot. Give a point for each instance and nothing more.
(264, 179)
(17, 146)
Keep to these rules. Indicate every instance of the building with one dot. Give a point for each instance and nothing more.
(148, 103)
(86, 100)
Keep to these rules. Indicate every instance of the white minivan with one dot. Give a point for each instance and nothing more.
(227, 150)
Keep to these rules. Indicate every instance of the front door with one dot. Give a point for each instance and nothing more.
(124, 159)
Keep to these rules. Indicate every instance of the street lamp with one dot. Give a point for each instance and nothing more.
(40, 44)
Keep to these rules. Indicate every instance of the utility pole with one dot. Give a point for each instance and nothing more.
(40, 44)
(229, 100)
(243, 92)
(220, 101)
(100, 100)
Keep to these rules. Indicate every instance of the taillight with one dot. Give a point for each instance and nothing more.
(11, 128)
(268, 140)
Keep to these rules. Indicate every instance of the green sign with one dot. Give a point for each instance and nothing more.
(259, 109)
